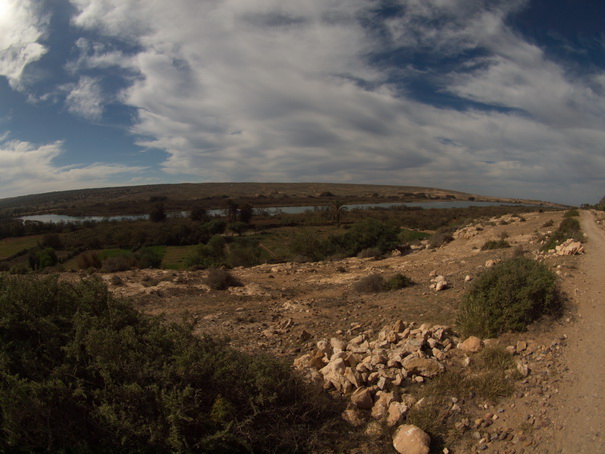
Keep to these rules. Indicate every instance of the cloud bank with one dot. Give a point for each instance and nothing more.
(419, 92)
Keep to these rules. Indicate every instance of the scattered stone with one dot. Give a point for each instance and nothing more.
(471, 345)
(410, 439)
(362, 398)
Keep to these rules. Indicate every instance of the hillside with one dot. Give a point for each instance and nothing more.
(186, 196)
(289, 309)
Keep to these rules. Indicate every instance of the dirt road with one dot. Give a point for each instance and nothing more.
(581, 402)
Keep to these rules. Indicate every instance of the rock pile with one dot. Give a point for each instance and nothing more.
(374, 372)
(569, 247)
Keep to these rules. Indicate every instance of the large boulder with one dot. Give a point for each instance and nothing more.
(410, 439)
(425, 367)
(471, 345)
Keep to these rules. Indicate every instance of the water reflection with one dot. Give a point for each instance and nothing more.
(57, 218)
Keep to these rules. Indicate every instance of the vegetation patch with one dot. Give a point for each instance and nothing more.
(398, 282)
(82, 371)
(219, 279)
(489, 378)
(508, 297)
(569, 228)
(373, 283)
(495, 244)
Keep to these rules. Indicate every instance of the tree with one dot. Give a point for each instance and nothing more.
(336, 211)
(158, 214)
(199, 214)
(232, 211)
(245, 213)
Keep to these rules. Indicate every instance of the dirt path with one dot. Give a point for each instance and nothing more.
(581, 401)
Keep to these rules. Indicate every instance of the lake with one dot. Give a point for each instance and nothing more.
(56, 218)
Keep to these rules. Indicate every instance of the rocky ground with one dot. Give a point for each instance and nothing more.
(286, 309)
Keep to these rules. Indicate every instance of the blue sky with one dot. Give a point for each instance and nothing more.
(497, 97)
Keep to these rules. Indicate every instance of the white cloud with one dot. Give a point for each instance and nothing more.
(85, 98)
(21, 27)
(28, 168)
(284, 91)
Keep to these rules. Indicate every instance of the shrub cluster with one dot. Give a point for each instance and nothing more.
(508, 297)
(569, 228)
(495, 244)
(84, 372)
(375, 283)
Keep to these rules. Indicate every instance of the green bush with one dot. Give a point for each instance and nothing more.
(508, 297)
(209, 255)
(398, 281)
(495, 244)
(569, 228)
(84, 372)
(571, 213)
(371, 233)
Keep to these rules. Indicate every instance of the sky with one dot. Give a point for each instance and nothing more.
(493, 97)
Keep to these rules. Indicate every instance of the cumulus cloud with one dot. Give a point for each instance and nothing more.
(29, 168)
(21, 28)
(317, 90)
(85, 98)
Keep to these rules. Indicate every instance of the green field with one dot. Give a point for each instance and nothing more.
(11, 246)
(174, 257)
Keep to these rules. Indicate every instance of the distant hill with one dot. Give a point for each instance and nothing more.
(186, 196)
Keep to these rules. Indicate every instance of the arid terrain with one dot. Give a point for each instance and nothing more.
(285, 309)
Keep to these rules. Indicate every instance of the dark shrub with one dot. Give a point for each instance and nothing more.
(118, 263)
(244, 253)
(42, 258)
(371, 233)
(398, 281)
(508, 297)
(158, 213)
(219, 279)
(148, 258)
(84, 372)
(571, 213)
(495, 244)
(373, 283)
(209, 255)
(442, 236)
(89, 260)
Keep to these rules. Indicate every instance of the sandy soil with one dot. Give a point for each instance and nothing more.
(580, 404)
(284, 309)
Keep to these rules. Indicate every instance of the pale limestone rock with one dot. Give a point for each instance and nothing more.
(396, 412)
(410, 439)
(337, 345)
(422, 366)
(522, 368)
(381, 405)
(362, 398)
(471, 345)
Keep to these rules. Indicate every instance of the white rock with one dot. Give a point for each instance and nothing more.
(410, 439)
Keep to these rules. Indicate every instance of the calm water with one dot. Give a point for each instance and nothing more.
(271, 210)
